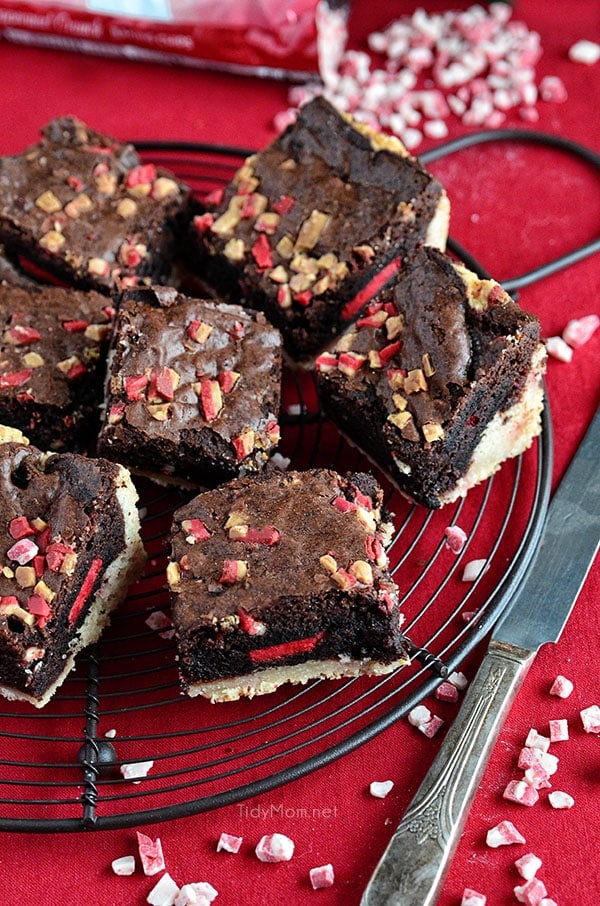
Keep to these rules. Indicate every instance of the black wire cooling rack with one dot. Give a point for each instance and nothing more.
(60, 767)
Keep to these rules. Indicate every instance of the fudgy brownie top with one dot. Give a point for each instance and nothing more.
(180, 365)
(50, 552)
(257, 543)
(51, 337)
(84, 205)
(424, 342)
(324, 200)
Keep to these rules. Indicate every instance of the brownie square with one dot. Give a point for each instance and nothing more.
(283, 578)
(193, 388)
(310, 226)
(82, 207)
(439, 382)
(52, 363)
(69, 547)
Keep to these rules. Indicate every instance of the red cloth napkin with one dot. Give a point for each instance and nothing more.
(514, 206)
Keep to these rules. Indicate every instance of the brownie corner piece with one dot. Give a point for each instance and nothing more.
(311, 225)
(283, 578)
(193, 388)
(53, 344)
(84, 208)
(70, 546)
(439, 382)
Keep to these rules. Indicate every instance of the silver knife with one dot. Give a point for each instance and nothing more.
(412, 869)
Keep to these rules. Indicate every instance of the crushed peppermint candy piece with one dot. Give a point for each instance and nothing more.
(419, 715)
(275, 848)
(472, 898)
(528, 866)
(579, 330)
(529, 758)
(537, 777)
(531, 892)
(200, 893)
(503, 834)
(562, 687)
(229, 843)
(136, 770)
(458, 679)
(322, 876)
(535, 740)
(590, 717)
(124, 866)
(547, 901)
(552, 88)
(473, 64)
(558, 349)
(164, 892)
(151, 854)
(110, 734)
(380, 788)
(430, 727)
(159, 621)
(559, 730)
(455, 538)
(584, 51)
(446, 692)
(473, 569)
(521, 792)
(560, 799)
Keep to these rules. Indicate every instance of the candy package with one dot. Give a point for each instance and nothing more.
(278, 38)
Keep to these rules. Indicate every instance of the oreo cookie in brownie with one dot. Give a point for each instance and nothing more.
(193, 388)
(82, 207)
(70, 546)
(52, 359)
(283, 578)
(310, 226)
(439, 382)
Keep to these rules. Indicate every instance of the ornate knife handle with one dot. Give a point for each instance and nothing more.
(412, 869)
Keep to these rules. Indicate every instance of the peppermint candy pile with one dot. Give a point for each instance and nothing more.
(476, 64)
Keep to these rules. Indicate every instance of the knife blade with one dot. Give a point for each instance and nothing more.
(412, 868)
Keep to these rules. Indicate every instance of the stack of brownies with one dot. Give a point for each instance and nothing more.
(326, 248)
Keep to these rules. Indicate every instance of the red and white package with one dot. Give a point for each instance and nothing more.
(262, 37)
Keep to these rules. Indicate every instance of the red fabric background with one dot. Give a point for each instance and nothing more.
(513, 207)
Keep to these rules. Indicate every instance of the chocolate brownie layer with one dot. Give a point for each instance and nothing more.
(11, 275)
(69, 547)
(439, 382)
(193, 388)
(282, 578)
(52, 360)
(83, 207)
(310, 225)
